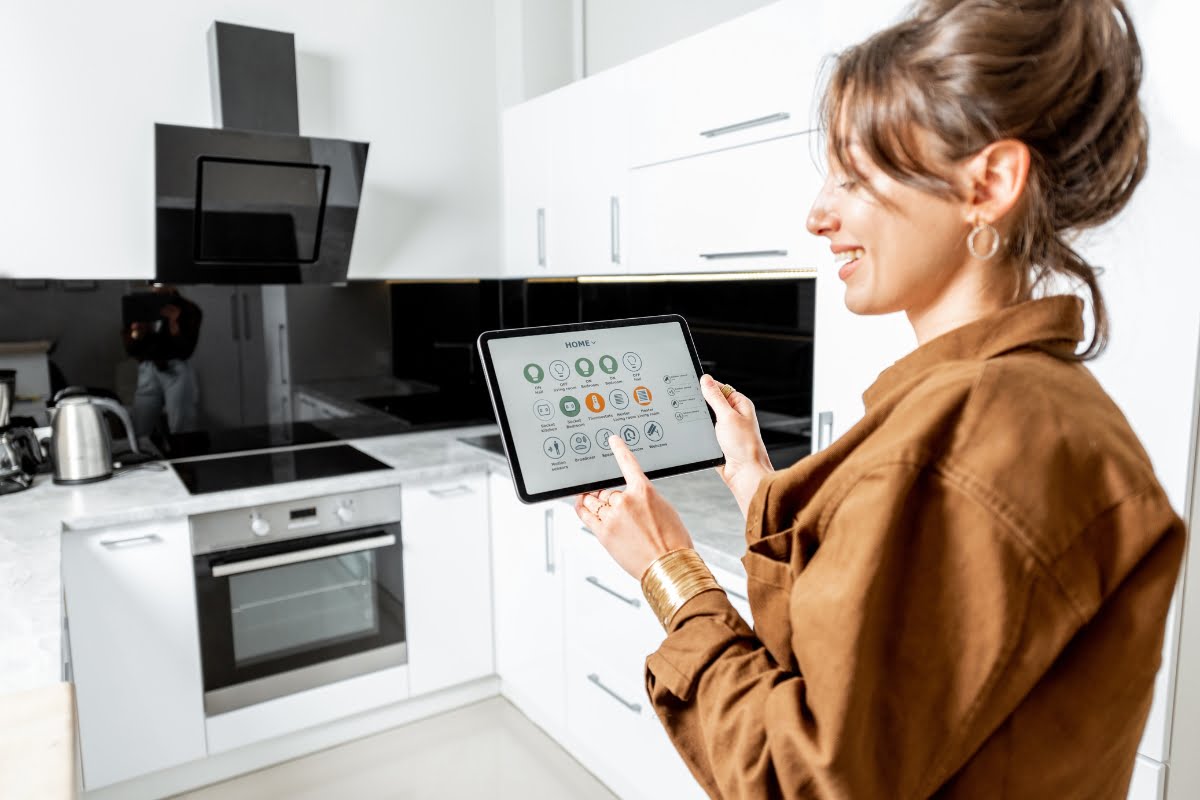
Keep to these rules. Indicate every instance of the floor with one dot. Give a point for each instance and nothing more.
(488, 749)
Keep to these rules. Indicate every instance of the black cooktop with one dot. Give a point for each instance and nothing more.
(282, 466)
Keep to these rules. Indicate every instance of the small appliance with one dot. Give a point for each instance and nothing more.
(80, 445)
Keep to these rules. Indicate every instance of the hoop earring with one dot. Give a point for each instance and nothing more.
(979, 228)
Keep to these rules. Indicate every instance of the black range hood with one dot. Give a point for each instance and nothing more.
(252, 201)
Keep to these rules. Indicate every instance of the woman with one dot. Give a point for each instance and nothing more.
(965, 595)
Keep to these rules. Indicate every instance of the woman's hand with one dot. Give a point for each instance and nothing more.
(636, 525)
(746, 461)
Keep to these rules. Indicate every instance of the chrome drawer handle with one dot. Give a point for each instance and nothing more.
(750, 123)
(614, 229)
(548, 531)
(745, 254)
(148, 538)
(634, 707)
(453, 491)
(594, 581)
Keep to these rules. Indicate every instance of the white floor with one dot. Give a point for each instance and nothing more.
(485, 750)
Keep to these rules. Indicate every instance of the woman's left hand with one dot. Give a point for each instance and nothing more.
(635, 525)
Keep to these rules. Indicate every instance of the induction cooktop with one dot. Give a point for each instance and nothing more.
(203, 476)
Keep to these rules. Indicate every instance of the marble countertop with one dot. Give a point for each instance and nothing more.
(33, 522)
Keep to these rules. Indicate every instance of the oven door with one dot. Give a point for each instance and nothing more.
(287, 616)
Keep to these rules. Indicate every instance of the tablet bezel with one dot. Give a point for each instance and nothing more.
(506, 437)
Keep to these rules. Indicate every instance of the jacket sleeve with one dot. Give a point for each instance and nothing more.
(916, 627)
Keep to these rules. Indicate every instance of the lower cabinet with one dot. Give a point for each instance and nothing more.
(1149, 779)
(447, 582)
(528, 604)
(135, 655)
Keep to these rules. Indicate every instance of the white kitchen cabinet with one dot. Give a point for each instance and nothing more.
(526, 144)
(738, 209)
(131, 616)
(447, 582)
(1149, 780)
(746, 80)
(528, 604)
(589, 176)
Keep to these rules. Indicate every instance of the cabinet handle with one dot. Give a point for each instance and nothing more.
(549, 531)
(541, 233)
(131, 541)
(246, 316)
(233, 315)
(614, 225)
(741, 126)
(824, 429)
(453, 491)
(594, 581)
(282, 355)
(634, 707)
(745, 254)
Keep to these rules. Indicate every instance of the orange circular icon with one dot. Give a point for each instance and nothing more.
(594, 402)
(641, 395)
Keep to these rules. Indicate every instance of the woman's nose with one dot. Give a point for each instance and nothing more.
(822, 219)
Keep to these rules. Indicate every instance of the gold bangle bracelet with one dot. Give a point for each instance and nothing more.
(672, 580)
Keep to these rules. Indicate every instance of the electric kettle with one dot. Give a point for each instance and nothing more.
(80, 447)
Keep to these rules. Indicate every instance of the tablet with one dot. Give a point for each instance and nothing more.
(561, 390)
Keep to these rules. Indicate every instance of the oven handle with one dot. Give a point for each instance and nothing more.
(300, 556)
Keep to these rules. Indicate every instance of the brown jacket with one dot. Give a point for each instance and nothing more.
(964, 596)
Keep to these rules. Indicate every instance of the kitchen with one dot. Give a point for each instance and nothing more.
(529, 163)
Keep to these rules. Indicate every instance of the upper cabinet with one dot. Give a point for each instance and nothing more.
(747, 80)
(737, 209)
(526, 164)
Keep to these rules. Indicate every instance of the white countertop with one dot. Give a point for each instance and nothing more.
(32, 523)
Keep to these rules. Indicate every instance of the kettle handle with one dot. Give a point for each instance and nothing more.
(121, 414)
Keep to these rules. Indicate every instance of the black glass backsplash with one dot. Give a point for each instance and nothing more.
(756, 335)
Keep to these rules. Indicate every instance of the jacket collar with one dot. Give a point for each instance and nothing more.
(1053, 324)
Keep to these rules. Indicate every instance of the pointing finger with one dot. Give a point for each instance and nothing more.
(627, 461)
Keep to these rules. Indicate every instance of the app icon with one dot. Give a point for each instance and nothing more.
(580, 443)
(602, 437)
(654, 431)
(533, 373)
(641, 395)
(584, 367)
(553, 447)
(632, 361)
(618, 398)
(630, 434)
(569, 406)
(559, 370)
(608, 364)
(594, 402)
(543, 410)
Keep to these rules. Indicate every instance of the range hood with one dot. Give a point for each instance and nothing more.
(252, 201)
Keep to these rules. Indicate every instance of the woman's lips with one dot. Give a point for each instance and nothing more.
(847, 262)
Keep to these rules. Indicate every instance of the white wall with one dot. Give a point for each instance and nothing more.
(616, 31)
(84, 82)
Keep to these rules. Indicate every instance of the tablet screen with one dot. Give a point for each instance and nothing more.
(564, 393)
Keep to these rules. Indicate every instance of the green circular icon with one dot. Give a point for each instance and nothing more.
(569, 406)
(608, 364)
(533, 373)
(584, 367)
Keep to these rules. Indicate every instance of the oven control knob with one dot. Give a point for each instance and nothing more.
(345, 513)
(259, 525)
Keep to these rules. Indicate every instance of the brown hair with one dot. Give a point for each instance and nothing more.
(1061, 76)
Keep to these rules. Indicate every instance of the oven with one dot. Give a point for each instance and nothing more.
(295, 595)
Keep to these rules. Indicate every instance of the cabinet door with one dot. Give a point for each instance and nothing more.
(528, 604)
(1149, 780)
(589, 177)
(747, 80)
(131, 616)
(447, 582)
(739, 209)
(526, 137)
(849, 352)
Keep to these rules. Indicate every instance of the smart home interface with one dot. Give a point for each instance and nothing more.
(565, 393)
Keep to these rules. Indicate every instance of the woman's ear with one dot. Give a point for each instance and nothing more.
(997, 174)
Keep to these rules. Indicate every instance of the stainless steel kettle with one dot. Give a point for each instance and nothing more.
(80, 446)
